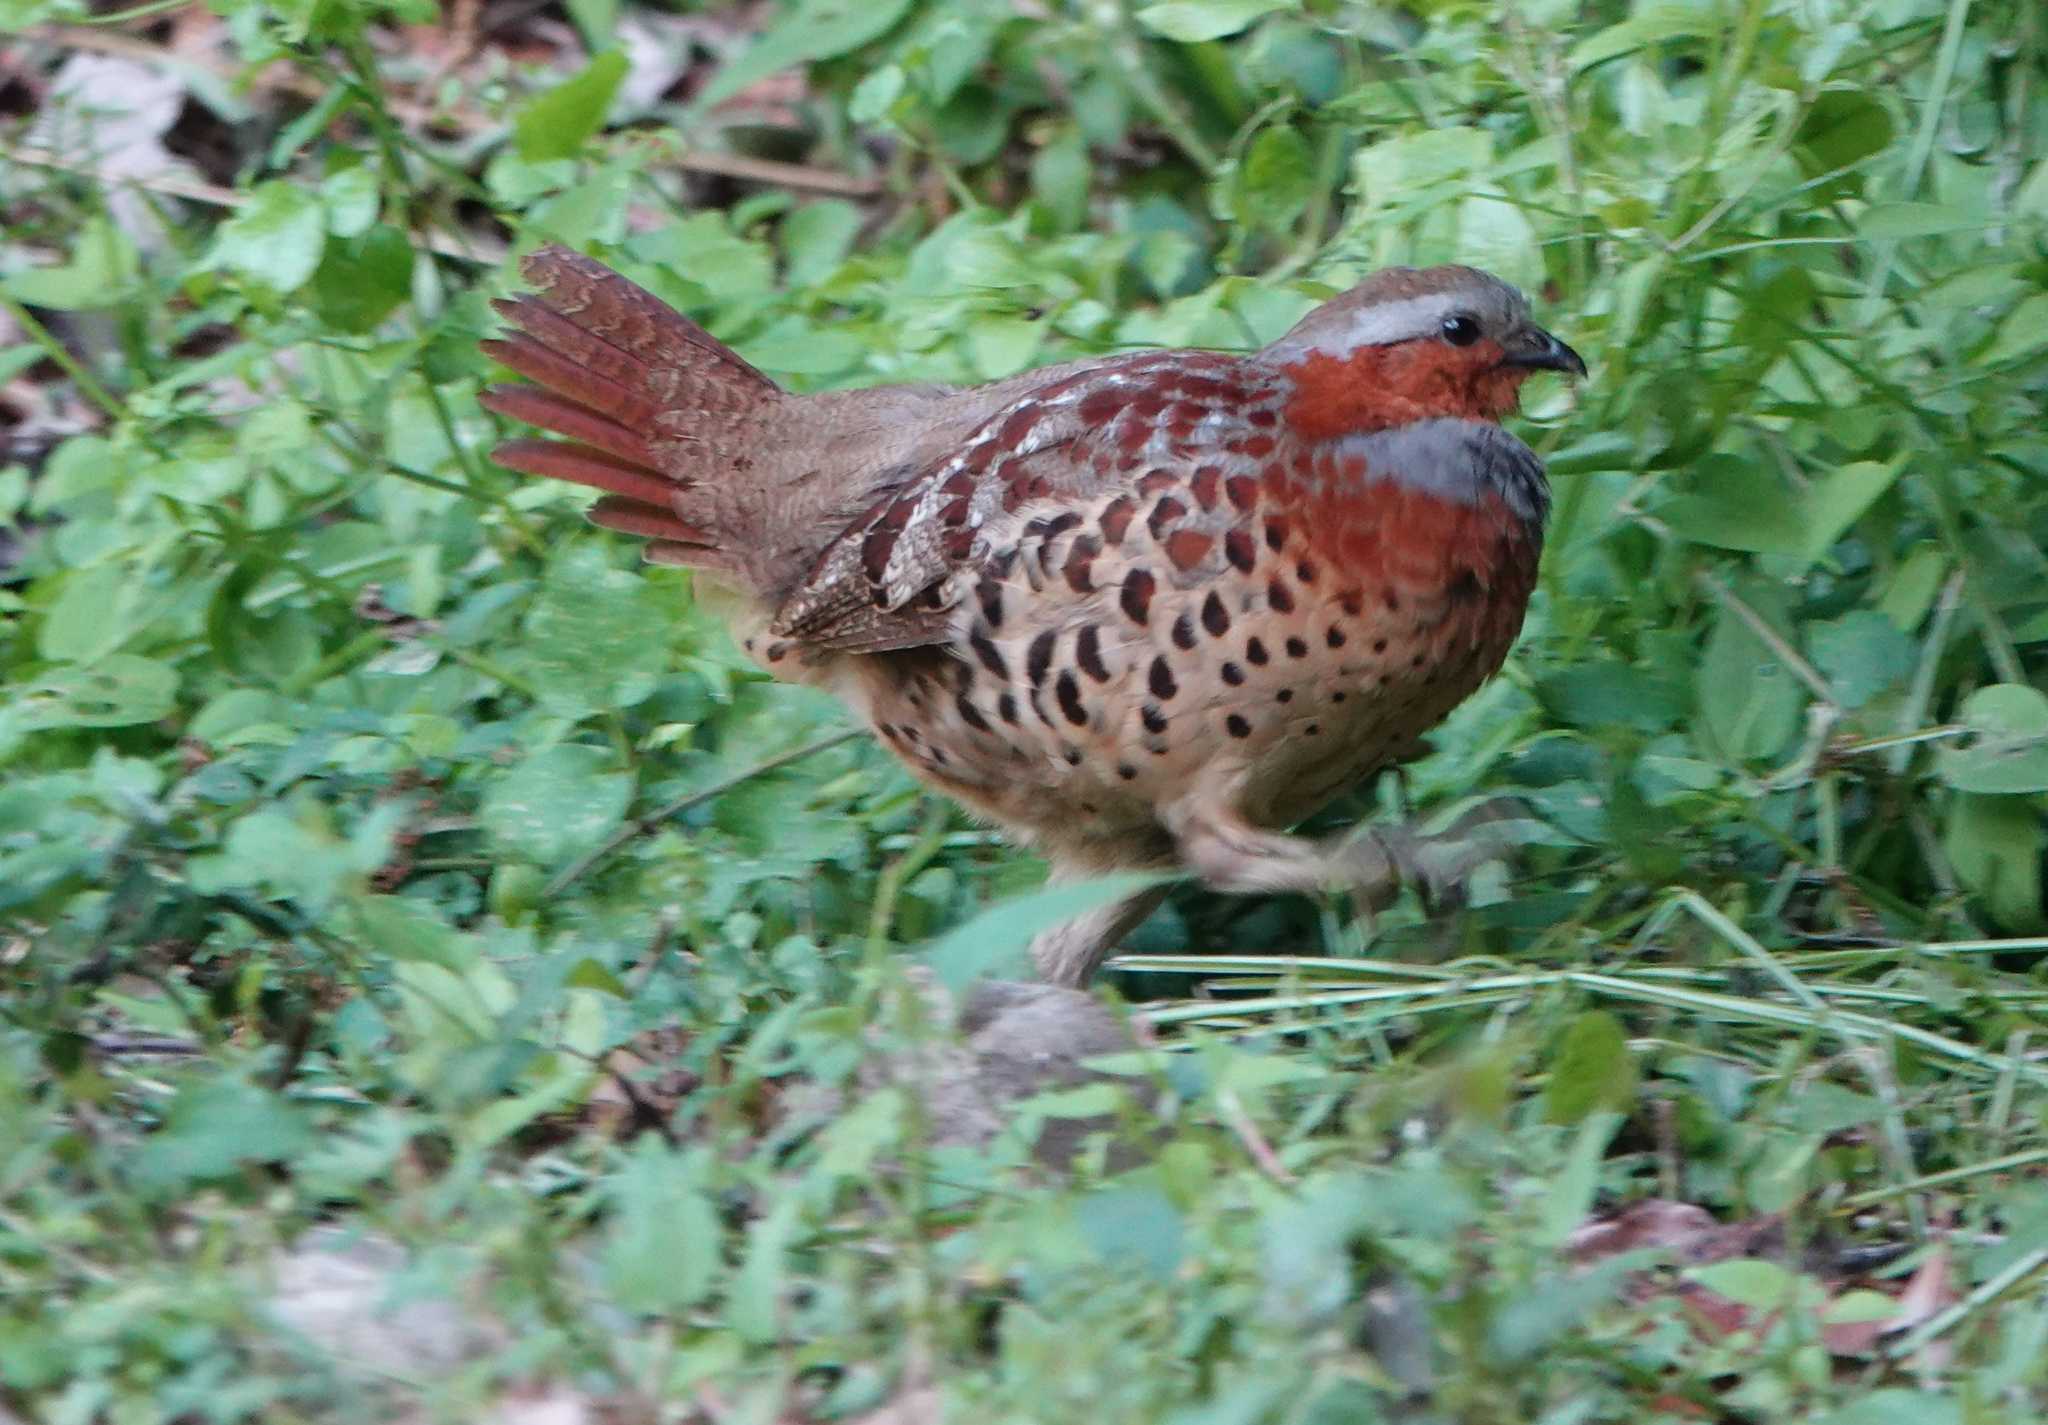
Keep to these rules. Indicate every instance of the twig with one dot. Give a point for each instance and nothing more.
(640, 826)
(1784, 652)
(1240, 1123)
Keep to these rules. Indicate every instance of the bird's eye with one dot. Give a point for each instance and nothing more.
(1461, 330)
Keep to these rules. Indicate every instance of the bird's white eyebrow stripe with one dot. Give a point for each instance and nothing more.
(1389, 322)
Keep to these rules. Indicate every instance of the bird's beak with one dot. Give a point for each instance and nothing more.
(1538, 350)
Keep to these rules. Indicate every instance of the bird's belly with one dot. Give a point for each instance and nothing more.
(1077, 704)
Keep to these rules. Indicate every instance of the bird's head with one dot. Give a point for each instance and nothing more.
(1411, 344)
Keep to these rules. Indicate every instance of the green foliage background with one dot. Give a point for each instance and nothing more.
(314, 717)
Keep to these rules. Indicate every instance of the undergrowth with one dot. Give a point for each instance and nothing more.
(384, 853)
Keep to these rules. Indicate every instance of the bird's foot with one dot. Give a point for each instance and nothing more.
(1375, 862)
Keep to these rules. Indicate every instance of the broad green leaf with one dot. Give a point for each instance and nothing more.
(212, 1127)
(1995, 845)
(1649, 25)
(117, 691)
(1275, 178)
(364, 279)
(1591, 1070)
(1748, 700)
(1838, 500)
(100, 272)
(1133, 1228)
(556, 803)
(2008, 752)
(1760, 1285)
(1192, 21)
(1861, 654)
(597, 636)
(815, 29)
(1736, 504)
(276, 238)
(2023, 332)
(662, 1243)
(1893, 221)
(409, 930)
(558, 123)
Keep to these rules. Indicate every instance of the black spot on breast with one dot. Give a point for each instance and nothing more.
(989, 594)
(1215, 617)
(1339, 696)
(1278, 599)
(1006, 708)
(970, 714)
(1126, 771)
(991, 656)
(1285, 695)
(1038, 657)
(1313, 728)
(1161, 682)
(1296, 648)
(1163, 514)
(1236, 726)
(1305, 571)
(1255, 650)
(1335, 637)
(1239, 550)
(1465, 588)
(1392, 600)
(1183, 632)
(1073, 756)
(1379, 645)
(1233, 675)
(1088, 653)
(1136, 598)
(1069, 694)
(1154, 720)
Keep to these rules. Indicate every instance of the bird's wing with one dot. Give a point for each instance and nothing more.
(1053, 454)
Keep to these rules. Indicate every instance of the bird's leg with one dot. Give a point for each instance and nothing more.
(1070, 953)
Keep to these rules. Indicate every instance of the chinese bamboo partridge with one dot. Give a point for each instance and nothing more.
(1142, 611)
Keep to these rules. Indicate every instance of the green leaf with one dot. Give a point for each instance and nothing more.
(117, 691)
(364, 279)
(1192, 21)
(815, 29)
(2023, 332)
(1133, 1228)
(212, 1127)
(556, 804)
(558, 123)
(1748, 700)
(1736, 504)
(1995, 845)
(597, 636)
(662, 1247)
(1649, 25)
(1276, 178)
(2008, 752)
(101, 272)
(1760, 1285)
(408, 930)
(1591, 1070)
(1838, 499)
(275, 239)
(1861, 654)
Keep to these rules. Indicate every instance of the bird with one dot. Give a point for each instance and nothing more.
(1146, 611)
